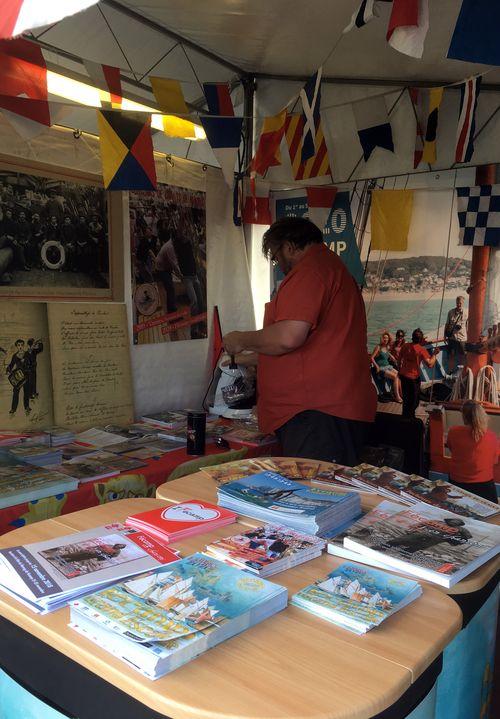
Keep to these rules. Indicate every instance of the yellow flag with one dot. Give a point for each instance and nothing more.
(178, 127)
(169, 95)
(435, 98)
(390, 219)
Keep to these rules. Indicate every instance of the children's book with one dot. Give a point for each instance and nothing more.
(426, 542)
(267, 549)
(356, 597)
(158, 621)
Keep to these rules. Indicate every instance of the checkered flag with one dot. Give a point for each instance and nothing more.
(479, 215)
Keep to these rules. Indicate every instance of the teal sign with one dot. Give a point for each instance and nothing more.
(338, 231)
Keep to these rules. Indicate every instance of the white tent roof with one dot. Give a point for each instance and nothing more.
(284, 38)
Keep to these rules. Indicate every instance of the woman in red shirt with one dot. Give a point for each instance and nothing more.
(411, 355)
(474, 452)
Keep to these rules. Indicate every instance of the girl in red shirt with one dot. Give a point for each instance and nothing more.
(412, 354)
(474, 452)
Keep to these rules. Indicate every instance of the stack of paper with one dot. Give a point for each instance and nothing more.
(40, 455)
(357, 598)
(271, 497)
(426, 542)
(46, 575)
(158, 622)
(266, 550)
(179, 521)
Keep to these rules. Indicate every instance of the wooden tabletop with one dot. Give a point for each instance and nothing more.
(201, 486)
(293, 665)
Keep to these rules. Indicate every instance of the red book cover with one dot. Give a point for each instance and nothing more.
(188, 517)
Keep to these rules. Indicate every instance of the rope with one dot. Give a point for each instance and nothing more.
(486, 386)
(445, 278)
(462, 389)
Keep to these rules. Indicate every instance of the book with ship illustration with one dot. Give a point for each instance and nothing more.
(356, 597)
(158, 621)
(426, 542)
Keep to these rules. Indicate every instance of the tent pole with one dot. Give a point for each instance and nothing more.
(485, 175)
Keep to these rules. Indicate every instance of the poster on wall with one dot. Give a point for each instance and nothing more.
(54, 237)
(168, 264)
(338, 232)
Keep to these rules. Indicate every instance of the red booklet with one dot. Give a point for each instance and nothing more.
(178, 521)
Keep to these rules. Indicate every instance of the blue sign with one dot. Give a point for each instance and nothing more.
(338, 231)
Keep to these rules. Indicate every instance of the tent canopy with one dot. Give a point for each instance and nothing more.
(279, 42)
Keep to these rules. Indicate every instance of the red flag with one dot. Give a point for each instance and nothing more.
(268, 150)
(408, 26)
(17, 16)
(107, 79)
(320, 203)
(218, 347)
(257, 211)
(24, 75)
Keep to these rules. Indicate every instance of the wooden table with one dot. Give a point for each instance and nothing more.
(293, 665)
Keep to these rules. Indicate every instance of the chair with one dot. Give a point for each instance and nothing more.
(209, 460)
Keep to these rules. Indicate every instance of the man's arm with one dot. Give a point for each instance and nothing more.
(277, 339)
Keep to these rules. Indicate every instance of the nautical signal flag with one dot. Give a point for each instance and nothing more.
(469, 93)
(268, 150)
(390, 219)
(426, 104)
(479, 215)
(217, 343)
(408, 26)
(218, 97)
(169, 96)
(366, 11)
(373, 124)
(126, 150)
(256, 210)
(311, 103)
(316, 166)
(224, 137)
(475, 38)
(320, 202)
(18, 16)
(108, 81)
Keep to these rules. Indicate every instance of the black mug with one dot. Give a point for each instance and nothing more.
(196, 423)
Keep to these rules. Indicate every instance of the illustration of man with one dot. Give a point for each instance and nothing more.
(38, 238)
(426, 535)
(17, 371)
(34, 349)
(165, 265)
(100, 553)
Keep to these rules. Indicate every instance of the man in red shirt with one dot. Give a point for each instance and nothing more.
(314, 384)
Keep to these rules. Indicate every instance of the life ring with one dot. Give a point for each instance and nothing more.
(147, 299)
(53, 254)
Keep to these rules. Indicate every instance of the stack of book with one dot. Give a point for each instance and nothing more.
(273, 498)
(159, 621)
(425, 542)
(357, 598)
(40, 455)
(290, 468)
(167, 419)
(385, 481)
(445, 495)
(266, 550)
(249, 436)
(59, 436)
(46, 575)
(26, 483)
(86, 469)
(179, 521)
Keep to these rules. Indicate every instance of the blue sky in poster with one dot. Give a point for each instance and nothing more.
(338, 231)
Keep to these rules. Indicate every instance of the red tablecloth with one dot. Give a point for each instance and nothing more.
(142, 483)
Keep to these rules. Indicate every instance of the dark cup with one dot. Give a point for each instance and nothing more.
(196, 424)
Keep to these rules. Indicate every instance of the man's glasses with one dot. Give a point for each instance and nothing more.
(273, 258)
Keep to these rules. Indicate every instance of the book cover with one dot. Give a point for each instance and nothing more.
(86, 469)
(190, 599)
(167, 419)
(384, 480)
(231, 471)
(270, 490)
(426, 537)
(31, 485)
(249, 437)
(80, 560)
(447, 496)
(262, 546)
(187, 517)
(357, 593)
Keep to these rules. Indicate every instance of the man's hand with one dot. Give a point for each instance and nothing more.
(233, 342)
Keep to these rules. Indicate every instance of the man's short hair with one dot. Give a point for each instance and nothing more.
(298, 231)
(19, 342)
(461, 297)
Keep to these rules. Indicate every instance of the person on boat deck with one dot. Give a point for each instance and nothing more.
(398, 343)
(474, 452)
(384, 362)
(313, 374)
(455, 332)
(410, 358)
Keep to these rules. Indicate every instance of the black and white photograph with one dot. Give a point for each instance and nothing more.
(54, 237)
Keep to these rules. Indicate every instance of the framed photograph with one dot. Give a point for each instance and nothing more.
(60, 235)
(169, 275)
